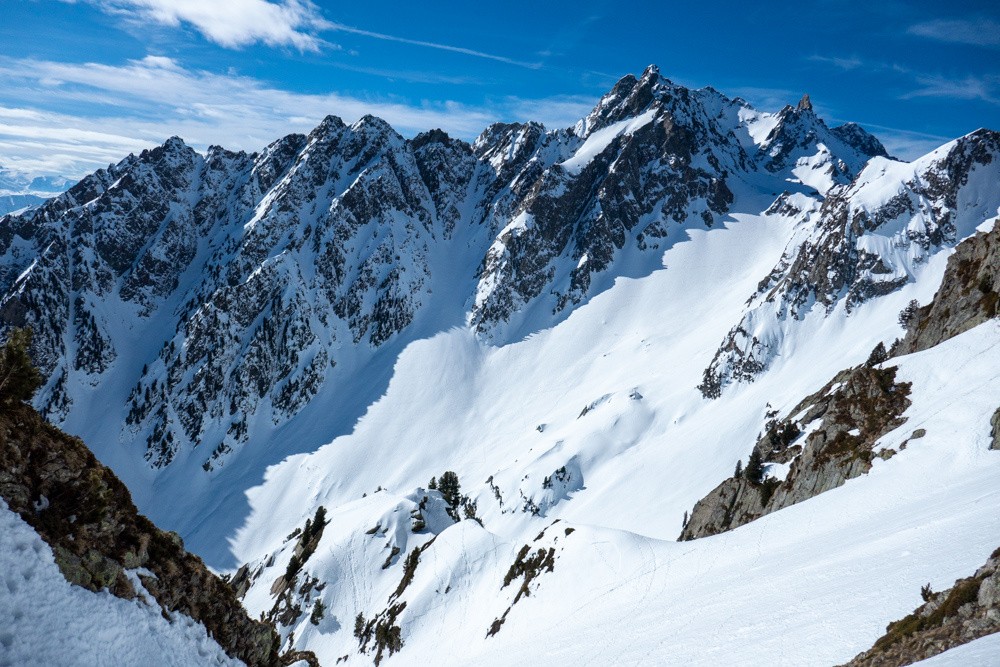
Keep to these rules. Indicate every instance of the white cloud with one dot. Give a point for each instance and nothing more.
(230, 23)
(238, 23)
(985, 88)
(977, 32)
(70, 118)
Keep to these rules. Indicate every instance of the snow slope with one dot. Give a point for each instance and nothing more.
(48, 621)
(646, 448)
(981, 652)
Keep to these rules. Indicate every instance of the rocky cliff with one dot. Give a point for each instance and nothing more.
(98, 538)
(831, 436)
(862, 241)
(968, 295)
(827, 439)
(968, 610)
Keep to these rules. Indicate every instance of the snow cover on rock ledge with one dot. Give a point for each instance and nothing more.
(48, 621)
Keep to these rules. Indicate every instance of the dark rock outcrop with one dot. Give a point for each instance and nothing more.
(86, 515)
(968, 610)
(995, 430)
(968, 296)
(828, 438)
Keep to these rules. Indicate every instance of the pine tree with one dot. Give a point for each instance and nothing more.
(359, 625)
(450, 488)
(908, 314)
(739, 469)
(317, 613)
(877, 356)
(754, 472)
(19, 379)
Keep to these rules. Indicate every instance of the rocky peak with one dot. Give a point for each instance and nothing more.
(329, 125)
(804, 104)
(629, 98)
(435, 136)
(857, 137)
(172, 151)
(373, 125)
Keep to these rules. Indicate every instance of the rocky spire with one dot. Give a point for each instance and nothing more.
(805, 104)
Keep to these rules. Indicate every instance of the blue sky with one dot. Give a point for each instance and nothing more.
(85, 82)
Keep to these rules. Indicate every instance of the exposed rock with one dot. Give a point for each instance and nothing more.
(86, 515)
(995, 430)
(967, 611)
(968, 295)
(828, 438)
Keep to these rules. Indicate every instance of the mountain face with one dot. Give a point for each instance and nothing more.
(863, 241)
(285, 354)
(254, 281)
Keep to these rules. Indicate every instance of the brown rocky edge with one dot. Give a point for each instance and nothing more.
(854, 409)
(968, 296)
(968, 610)
(87, 517)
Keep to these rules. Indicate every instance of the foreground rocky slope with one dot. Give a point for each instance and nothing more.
(963, 613)
(830, 437)
(99, 540)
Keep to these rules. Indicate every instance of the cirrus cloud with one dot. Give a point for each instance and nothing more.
(977, 32)
(70, 118)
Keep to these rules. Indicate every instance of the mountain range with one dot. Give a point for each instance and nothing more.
(576, 334)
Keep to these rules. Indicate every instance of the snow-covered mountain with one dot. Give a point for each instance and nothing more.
(589, 326)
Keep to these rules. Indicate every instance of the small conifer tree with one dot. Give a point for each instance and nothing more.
(755, 467)
(19, 379)
(317, 613)
(359, 625)
(909, 314)
(739, 469)
(450, 488)
(877, 356)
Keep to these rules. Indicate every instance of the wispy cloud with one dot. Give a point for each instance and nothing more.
(432, 45)
(984, 88)
(232, 23)
(845, 64)
(977, 32)
(69, 118)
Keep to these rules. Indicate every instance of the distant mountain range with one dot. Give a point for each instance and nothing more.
(18, 191)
